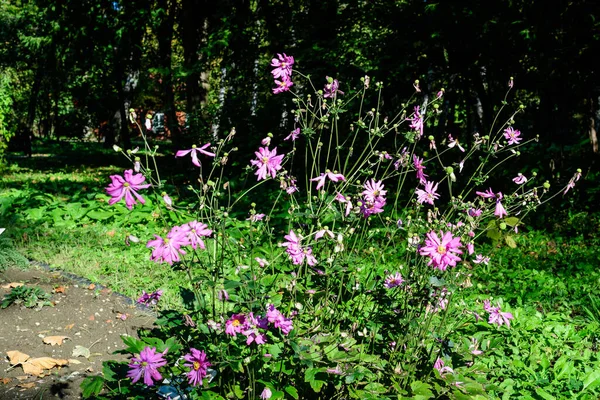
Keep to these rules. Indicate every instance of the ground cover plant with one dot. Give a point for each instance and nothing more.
(339, 285)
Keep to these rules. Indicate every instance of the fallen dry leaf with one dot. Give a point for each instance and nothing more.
(54, 340)
(106, 291)
(70, 326)
(59, 289)
(91, 318)
(23, 377)
(16, 357)
(36, 366)
(5, 381)
(12, 285)
(73, 361)
(27, 385)
(92, 286)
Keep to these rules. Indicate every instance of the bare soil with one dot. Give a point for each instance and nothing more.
(89, 315)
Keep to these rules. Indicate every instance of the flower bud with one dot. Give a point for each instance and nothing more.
(116, 148)
(546, 185)
(502, 226)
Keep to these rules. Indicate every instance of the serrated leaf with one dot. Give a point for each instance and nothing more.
(91, 386)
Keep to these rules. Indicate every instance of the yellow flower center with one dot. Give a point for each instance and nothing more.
(236, 322)
(126, 184)
(441, 249)
(265, 160)
(167, 240)
(144, 363)
(196, 365)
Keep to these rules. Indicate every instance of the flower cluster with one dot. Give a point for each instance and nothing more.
(297, 252)
(253, 328)
(169, 249)
(146, 364)
(373, 199)
(282, 72)
(126, 186)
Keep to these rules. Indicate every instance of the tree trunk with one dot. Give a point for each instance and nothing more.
(165, 36)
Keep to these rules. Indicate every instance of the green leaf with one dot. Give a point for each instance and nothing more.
(99, 215)
(133, 345)
(510, 242)
(292, 391)
(592, 380)
(511, 221)
(310, 376)
(421, 390)
(92, 386)
(543, 394)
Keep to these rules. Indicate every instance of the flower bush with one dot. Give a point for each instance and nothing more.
(343, 283)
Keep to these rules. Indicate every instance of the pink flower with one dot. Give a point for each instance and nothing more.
(150, 299)
(394, 280)
(374, 190)
(298, 253)
(429, 194)
(416, 122)
(474, 212)
(488, 194)
(418, 164)
(266, 394)
(481, 259)
(572, 181)
(235, 324)
(275, 317)
(255, 217)
(282, 86)
(196, 360)
(168, 249)
(496, 315)
(283, 66)
(195, 231)
(439, 365)
(512, 135)
(499, 211)
(293, 135)
(127, 187)
(267, 161)
(442, 253)
(520, 179)
(261, 261)
(369, 207)
(194, 151)
(319, 234)
(328, 174)
(474, 347)
(470, 248)
(266, 141)
(331, 88)
(147, 364)
(454, 142)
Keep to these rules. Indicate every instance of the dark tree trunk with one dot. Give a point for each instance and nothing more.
(165, 36)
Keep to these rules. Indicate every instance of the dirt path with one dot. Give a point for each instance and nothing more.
(89, 316)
